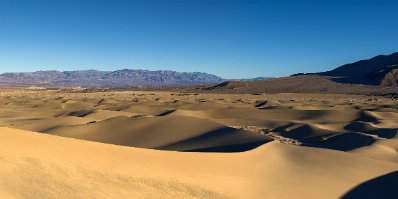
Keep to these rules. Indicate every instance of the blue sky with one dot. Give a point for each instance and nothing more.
(232, 39)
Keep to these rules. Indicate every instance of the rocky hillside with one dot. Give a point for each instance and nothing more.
(391, 79)
(119, 78)
(387, 76)
(378, 70)
(378, 75)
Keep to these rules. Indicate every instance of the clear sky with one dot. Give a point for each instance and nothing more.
(229, 38)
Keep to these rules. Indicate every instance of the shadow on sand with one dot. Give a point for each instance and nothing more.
(384, 186)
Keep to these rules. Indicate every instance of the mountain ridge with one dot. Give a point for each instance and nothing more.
(371, 71)
(377, 75)
(117, 78)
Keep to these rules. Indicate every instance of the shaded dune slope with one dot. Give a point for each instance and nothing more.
(212, 123)
(44, 166)
(170, 132)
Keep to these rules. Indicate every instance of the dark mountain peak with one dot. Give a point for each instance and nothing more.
(362, 67)
(369, 71)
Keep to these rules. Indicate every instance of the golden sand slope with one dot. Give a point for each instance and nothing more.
(209, 122)
(283, 145)
(44, 166)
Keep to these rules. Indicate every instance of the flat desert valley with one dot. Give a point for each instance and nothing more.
(147, 144)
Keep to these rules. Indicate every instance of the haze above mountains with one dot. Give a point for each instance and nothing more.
(362, 76)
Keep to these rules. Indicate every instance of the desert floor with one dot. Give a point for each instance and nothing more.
(136, 144)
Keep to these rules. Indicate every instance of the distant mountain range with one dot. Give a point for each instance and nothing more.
(251, 79)
(114, 79)
(380, 70)
(378, 75)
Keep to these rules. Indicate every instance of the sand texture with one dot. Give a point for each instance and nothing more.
(142, 144)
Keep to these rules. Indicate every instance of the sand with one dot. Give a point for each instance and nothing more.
(63, 144)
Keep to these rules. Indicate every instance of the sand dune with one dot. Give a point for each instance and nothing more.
(168, 132)
(151, 145)
(44, 166)
(203, 122)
